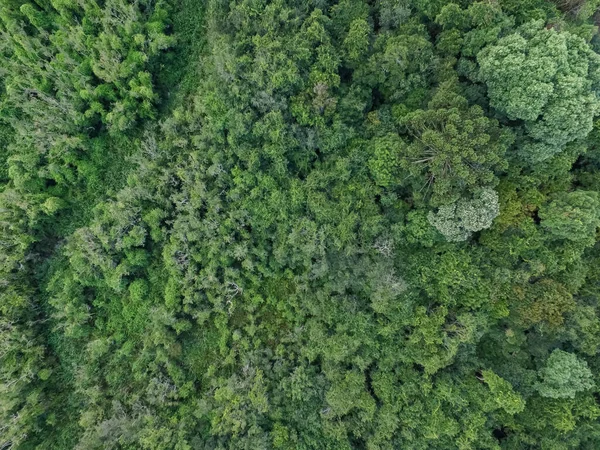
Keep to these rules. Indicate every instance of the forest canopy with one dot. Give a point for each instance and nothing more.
(300, 224)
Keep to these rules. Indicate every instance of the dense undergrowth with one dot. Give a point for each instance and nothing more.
(299, 224)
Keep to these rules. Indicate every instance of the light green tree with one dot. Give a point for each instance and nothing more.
(564, 376)
(504, 395)
(459, 220)
(545, 78)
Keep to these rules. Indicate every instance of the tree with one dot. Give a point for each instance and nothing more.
(564, 375)
(572, 216)
(455, 149)
(545, 301)
(504, 395)
(546, 79)
(457, 221)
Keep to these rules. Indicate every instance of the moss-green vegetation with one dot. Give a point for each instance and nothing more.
(299, 224)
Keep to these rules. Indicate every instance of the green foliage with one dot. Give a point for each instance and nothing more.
(80, 69)
(504, 395)
(459, 220)
(349, 393)
(544, 78)
(385, 163)
(581, 9)
(545, 301)
(455, 148)
(574, 216)
(293, 224)
(564, 375)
